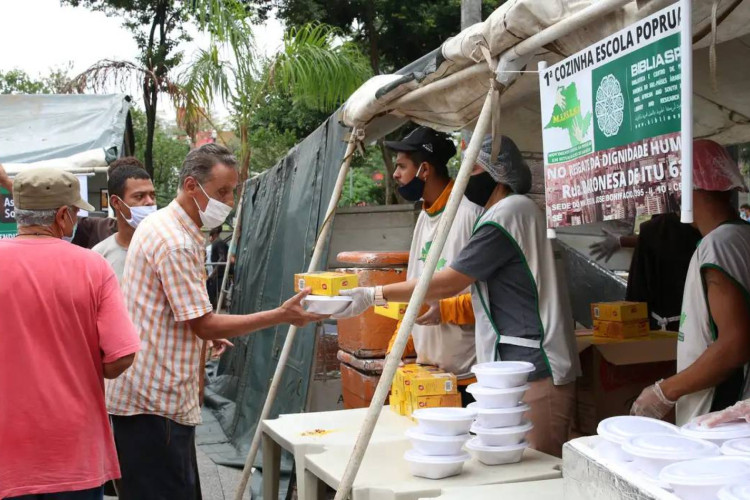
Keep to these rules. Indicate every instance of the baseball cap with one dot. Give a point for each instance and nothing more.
(714, 169)
(438, 146)
(47, 189)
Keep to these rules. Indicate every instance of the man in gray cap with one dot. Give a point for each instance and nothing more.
(65, 328)
(520, 308)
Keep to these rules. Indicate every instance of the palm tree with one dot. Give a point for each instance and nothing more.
(315, 65)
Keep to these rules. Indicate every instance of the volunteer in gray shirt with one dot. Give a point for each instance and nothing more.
(132, 198)
(521, 311)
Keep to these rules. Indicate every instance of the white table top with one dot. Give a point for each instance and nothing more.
(297, 431)
(550, 489)
(384, 474)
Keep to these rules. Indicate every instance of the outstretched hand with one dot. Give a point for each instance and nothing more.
(293, 312)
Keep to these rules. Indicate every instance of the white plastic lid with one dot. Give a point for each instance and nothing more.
(413, 432)
(620, 429)
(503, 367)
(737, 447)
(731, 430)
(735, 492)
(525, 426)
(669, 447)
(413, 456)
(707, 471)
(476, 444)
(523, 407)
(491, 391)
(445, 414)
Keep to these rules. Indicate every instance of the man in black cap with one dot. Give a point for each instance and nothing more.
(446, 336)
(521, 311)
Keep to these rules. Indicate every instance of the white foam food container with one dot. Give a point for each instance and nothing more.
(319, 304)
(703, 478)
(736, 447)
(653, 452)
(735, 492)
(430, 444)
(616, 430)
(499, 417)
(503, 436)
(444, 421)
(718, 434)
(435, 467)
(496, 455)
(503, 374)
(489, 397)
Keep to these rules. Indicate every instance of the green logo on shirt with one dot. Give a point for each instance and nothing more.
(680, 335)
(425, 250)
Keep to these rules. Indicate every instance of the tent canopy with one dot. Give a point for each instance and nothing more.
(445, 89)
(35, 128)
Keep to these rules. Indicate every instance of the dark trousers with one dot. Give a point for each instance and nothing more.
(92, 494)
(157, 459)
(466, 398)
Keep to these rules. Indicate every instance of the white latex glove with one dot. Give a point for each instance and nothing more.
(362, 300)
(652, 403)
(607, 247)
(739, 411)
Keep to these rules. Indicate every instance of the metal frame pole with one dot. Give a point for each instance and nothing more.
(392, 362)
(317, 255)
(686, 55)
(232, 250)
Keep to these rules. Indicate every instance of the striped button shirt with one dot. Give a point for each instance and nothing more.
(164, 286)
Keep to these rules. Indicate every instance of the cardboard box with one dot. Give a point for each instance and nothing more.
(621, 329)
(396, 310)
(619, 311)
(433, 384)
(325, 283)
(615, 371)
(393, 310)
(438, 401)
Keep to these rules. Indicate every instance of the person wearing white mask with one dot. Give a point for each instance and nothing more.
(154, 408)
(132, 198)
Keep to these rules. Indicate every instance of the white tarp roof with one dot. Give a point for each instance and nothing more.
(445, 90)
(35, 128)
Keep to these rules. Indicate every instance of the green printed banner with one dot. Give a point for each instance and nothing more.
(611, 119)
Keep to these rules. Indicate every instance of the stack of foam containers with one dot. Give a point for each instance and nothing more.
(438, 440)
(500, 427)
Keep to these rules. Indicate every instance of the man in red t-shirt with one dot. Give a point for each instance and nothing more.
(64, 329)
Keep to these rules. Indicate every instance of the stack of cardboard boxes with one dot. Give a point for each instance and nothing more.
(620, 320)
(419, 386)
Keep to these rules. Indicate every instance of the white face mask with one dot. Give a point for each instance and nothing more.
(137, 214)
(216, 212)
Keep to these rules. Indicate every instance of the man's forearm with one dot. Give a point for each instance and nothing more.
(444, 284)
(225, 326)
(713, 367)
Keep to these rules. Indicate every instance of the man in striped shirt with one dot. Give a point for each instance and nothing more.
(156, 406)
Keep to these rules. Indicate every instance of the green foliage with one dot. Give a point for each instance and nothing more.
(169, 153)
(392, 33)
(16, 81)
(360, 185)
(268, 146)
(316, 69)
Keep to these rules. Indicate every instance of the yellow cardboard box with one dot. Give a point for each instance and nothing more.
(619, 311)
(621, 329)
(434, 384)
(394, 310)
(436, 401)
(325, 283)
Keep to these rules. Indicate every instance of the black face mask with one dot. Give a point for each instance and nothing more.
(414, 189)
(480, 188)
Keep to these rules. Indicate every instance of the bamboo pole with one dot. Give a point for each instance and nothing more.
(392, 362)
(315, 262)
